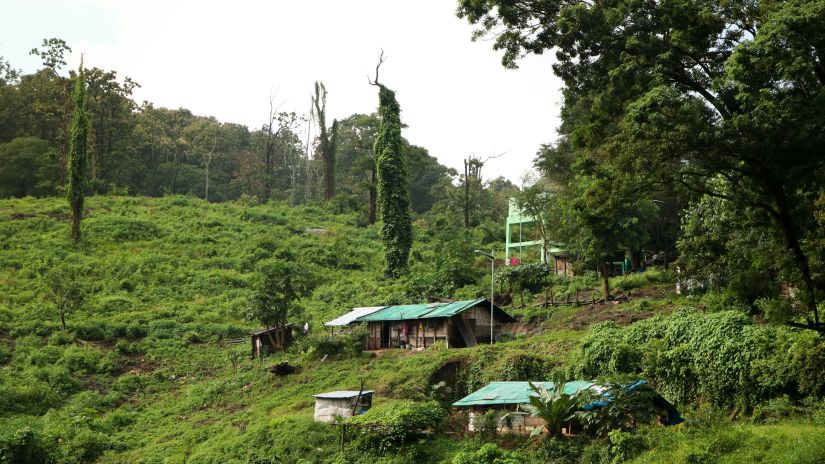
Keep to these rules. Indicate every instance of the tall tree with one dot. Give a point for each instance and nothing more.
(393, 184)
(77, 163)
(692, 92)
(280, 286)
(355, 159)
(285, 121)
(327, 139)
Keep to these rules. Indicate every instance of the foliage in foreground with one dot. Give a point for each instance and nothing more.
(723, 358)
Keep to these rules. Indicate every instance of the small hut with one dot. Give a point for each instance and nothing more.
(458, 324)
(341, 403)
(261, 344)
(510, 396)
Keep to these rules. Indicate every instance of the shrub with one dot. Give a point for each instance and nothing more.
(722, 357)
(489, 453)
(61, 338)
(81, 360)
(119, 229)
(624, 446)
(23, 446)
(130, 383)
(774, 410)
(348, 344)
(6, 352)
(396, 424)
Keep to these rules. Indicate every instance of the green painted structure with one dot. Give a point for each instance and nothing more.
(516, 220)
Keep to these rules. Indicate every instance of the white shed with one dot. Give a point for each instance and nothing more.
(341, 403)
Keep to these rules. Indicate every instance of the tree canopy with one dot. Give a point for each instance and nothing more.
(720, 99)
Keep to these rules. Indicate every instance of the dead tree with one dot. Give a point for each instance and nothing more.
(472, 173)
(284, 120)
(207, 160)
(327, 140)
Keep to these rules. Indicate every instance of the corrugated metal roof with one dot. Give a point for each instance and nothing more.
(352, 315)
(401, 312)
(343, 394)
(428, 311)
(514, 392)
(451, 309)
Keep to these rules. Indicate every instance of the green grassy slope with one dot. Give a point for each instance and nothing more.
(146, 373)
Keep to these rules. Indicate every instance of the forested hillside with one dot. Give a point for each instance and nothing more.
(146, 369)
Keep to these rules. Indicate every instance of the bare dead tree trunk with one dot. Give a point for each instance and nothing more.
(269, 163)
(326, 141)
(307, 167)
(466, 194)
(207, 160)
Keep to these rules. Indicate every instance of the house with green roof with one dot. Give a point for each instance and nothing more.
(510, 396)
(457, 323)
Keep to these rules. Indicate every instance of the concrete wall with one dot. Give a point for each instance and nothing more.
(327, 408)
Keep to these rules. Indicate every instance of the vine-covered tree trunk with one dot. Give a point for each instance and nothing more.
(392, 185)
(77, 163)
(466, 195)
(371, 208)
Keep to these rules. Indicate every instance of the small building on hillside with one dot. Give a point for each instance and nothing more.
(458, 324)
(510, 396)
(261, 344)
(341, 403)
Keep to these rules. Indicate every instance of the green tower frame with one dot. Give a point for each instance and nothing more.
(517, 217)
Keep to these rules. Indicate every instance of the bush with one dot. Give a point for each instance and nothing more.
(396, 424)
(23, 446)
(119, 229)
(348, 344)
(81, 360)
(624, 446)
(489, 453)
(723, 357)
(774, 410)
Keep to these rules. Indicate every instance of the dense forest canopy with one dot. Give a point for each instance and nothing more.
(140, 149)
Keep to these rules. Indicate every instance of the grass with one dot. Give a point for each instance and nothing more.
(792, 442)
(146, 371)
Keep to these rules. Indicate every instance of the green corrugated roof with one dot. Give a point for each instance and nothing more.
(513, 392)
(451, 309)
(420, 311)
(400, 312)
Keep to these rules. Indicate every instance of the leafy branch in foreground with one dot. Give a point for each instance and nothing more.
(554, 406)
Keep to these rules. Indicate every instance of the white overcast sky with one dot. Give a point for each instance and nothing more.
(225, 58)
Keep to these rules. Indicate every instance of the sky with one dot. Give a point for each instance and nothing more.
(225, 59)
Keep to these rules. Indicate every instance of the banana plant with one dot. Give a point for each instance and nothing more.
(553, 405)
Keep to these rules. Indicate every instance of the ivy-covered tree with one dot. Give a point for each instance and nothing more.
(393, 184)
(77, 164)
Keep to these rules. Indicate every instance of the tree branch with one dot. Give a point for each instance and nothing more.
(380, 61)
